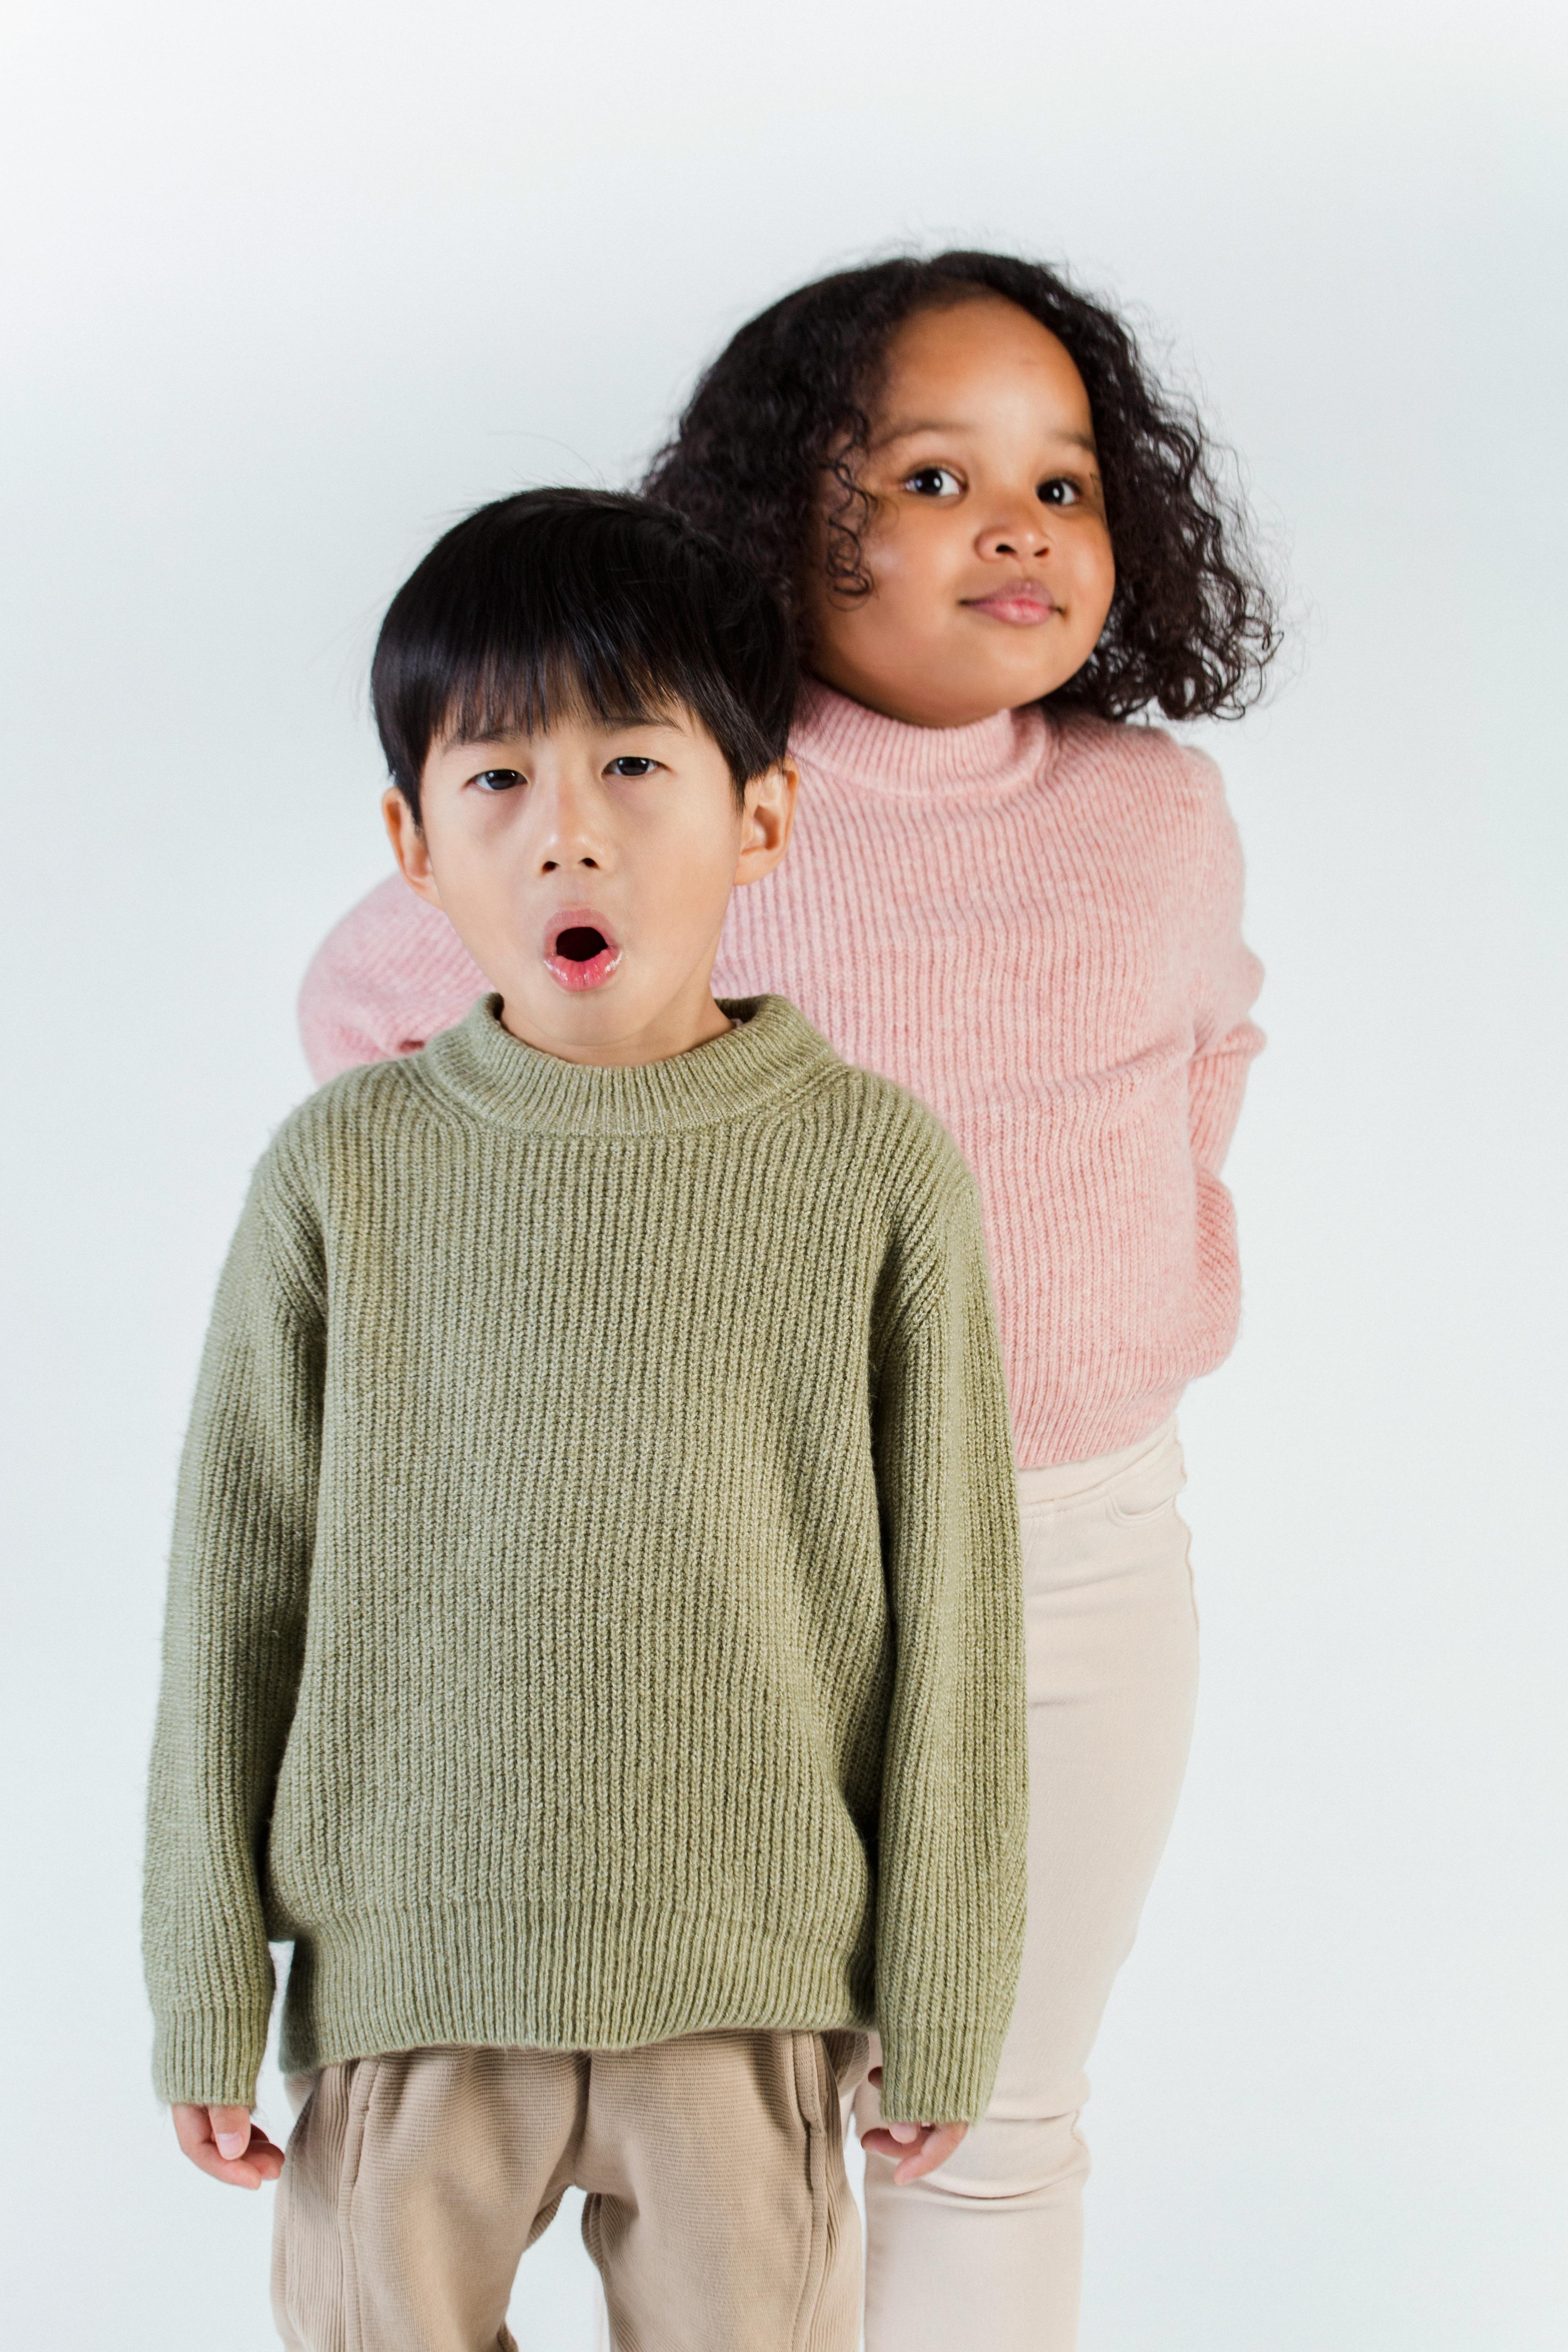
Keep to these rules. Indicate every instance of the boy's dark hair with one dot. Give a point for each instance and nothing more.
(1192, 626)
(557, 601)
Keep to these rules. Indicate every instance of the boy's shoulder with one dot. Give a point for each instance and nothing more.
(340, 1118)
(881, 1106)
(882, 1136)
(886, 1133)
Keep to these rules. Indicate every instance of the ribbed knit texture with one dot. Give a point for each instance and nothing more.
(595, 1608)
(1036, 927)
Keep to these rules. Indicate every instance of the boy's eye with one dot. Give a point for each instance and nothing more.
(933, 482)
(631, 764)
(1057, 492)
(498, 780)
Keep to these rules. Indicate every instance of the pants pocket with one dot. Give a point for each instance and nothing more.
(315, 2284)
(1145, 1490)
(825, 2066)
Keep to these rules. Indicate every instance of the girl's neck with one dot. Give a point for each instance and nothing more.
(847, 739)
(886, 705)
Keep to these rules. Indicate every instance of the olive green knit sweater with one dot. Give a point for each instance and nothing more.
(594, 1610)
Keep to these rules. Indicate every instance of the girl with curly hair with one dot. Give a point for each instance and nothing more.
(1002, 543)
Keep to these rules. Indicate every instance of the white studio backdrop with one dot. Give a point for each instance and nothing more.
(285, 291)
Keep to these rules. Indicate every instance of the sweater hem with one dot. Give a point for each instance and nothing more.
(481, 1974)
(479, 1978)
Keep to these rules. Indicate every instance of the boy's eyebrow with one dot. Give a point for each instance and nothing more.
(905, 429)
(464, 741)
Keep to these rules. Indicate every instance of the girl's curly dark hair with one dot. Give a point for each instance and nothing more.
(1191, 625)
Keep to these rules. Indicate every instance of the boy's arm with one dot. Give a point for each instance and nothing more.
(384, 982)
(233, 1643)
(954, 1804)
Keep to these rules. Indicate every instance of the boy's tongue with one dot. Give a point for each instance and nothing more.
(581, 943)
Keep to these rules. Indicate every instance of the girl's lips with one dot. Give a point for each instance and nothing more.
(580, 949)
(1020, 605)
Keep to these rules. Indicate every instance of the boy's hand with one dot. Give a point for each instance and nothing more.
(226, 2143)
(922, 2147)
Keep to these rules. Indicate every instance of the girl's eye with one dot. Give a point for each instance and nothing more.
(933, 482)
(629, 764)
(1058, 492)
(498, 780)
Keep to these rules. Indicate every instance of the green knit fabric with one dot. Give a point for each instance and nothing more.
(595, 1612)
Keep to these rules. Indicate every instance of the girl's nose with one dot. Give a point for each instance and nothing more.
(1021, 533)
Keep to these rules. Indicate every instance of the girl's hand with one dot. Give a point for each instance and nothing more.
(922, 2147)
(226, 2143)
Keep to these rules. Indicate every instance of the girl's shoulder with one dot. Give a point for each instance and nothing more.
(1141, 773)
(389, 975)
(1136, 748)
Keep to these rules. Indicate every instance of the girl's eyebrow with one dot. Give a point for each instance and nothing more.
(906, 431)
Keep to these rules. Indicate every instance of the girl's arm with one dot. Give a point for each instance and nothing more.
(1227, 979)
(384, 982)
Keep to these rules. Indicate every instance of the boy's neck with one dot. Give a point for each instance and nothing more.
(678, 1028)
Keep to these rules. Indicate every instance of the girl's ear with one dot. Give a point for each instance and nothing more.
(768, 822)
(408, 845)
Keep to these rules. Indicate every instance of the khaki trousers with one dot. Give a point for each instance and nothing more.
(718, 2210)
(987, 2251)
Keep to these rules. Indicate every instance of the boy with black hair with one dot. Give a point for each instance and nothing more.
(593, 1634)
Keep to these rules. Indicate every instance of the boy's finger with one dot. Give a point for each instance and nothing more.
(257, 2160)
(231, 2131)
(881, 2139)
(248, 2171)
(937, 2143)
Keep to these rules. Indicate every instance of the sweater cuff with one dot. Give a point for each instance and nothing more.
(928, 2079)
(209, 2058)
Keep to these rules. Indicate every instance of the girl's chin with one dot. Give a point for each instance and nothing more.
(964, 701)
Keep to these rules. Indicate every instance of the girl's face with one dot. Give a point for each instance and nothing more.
(988, 549)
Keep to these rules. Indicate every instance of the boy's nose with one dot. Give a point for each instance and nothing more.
(567, 834)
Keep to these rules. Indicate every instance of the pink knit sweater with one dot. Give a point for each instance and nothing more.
(1033, 924)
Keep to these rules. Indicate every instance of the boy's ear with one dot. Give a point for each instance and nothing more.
(768, 822)
(408, 845)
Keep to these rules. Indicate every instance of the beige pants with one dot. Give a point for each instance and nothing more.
(718, 2210)
(987, 2251)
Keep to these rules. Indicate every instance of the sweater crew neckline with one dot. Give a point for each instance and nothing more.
(773, 1051)
(983, 762)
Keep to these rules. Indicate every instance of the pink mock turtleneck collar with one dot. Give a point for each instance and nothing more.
(986, 761)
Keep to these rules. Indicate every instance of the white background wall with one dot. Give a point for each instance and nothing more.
(289, 289)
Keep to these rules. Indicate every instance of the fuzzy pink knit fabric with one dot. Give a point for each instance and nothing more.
(1035, 926)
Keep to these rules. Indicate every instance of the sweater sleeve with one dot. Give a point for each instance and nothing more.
(950, 1897)
(384, 982)
(1228, 977)
(233, 1644)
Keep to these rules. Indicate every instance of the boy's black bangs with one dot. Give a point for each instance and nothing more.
(529, 692)
(557, 604)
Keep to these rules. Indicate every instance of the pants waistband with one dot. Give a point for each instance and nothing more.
(1059, 1480)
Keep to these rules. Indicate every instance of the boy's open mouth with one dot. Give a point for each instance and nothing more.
(579, 950)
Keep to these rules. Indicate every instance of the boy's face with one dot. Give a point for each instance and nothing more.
(587, 871)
